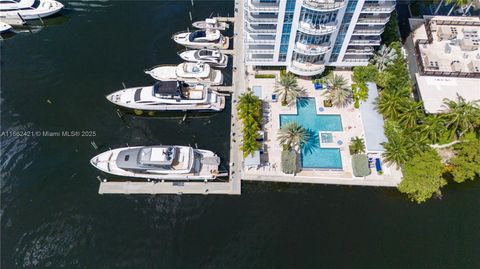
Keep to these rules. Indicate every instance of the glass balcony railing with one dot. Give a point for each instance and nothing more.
(388, 7)
(306, 69)
(317, 29)
(311, 49)
(260, 19)
(324, 5)
(360, 51)
(251, 5)
(368, 31)
(372, 20)
(365, 42)
(259, 30)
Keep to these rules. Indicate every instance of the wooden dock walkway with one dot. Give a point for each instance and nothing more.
(129, 187)
(226, 19)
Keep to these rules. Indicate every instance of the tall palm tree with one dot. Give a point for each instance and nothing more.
(249, 105)
(433, 128)
(461, 116)
(338, 93)
(391, 103)
(411, 112)
(292, 136)
(384, 57)
(288, 89)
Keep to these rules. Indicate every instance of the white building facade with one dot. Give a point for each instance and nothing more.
(305, 36)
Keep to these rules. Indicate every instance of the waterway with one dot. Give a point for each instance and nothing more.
(55, 80)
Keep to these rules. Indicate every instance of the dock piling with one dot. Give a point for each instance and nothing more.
(94, 145)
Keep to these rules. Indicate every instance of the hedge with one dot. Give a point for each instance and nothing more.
(265, 76)
(289, 161)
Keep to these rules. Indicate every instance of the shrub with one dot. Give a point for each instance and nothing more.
(289, 161)
(264, 75)
(327, 103)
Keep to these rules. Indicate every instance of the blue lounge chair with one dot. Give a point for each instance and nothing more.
(378, 166)
(274, 97)
(317, 85)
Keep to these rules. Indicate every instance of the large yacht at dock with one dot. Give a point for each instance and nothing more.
(202, 39)
(28, 9)
(187, 72)
(169, 96)
(159, 162)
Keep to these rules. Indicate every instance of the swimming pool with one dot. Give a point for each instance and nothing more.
(313, 156)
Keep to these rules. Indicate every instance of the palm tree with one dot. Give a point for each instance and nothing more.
(399, 149)
(433, 128)
(292, 136)
(339, 94)
(411, 112)
(391, 103)
(357, 145)
(249, 105)
(461, 115)
(288, 89)
(384, 57)
(250, 112)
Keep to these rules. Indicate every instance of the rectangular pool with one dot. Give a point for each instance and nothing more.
(313, 156)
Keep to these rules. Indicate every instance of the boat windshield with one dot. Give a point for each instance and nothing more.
(196, 34)
(205, 53)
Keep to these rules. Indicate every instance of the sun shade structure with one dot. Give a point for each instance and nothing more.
(360, 165)
(372, 122)
(253, 160)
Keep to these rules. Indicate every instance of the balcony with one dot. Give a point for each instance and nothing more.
(372, 21)
(371, 42)
(355, 61)
(254, 6)
(376, 8)
(306, 69)
(260, 30)
(260, 41)
(363, 31)
(319, 29)
(324, 5)
(311, 49)
(360, 51)
(259, 19)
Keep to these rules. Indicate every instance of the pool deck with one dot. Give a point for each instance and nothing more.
(352, 127)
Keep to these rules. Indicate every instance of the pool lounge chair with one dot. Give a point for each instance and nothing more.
(378, 165)
(274, 97)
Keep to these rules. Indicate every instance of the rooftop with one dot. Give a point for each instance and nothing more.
(449, 45)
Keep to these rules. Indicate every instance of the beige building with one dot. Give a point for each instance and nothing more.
(448, 60)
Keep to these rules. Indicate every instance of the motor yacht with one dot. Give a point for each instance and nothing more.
(187, 72)
(159, 162)
(28, 9)
(212, 57)
(5, 27)
(169, 96)
(211, 24)
(202, 39)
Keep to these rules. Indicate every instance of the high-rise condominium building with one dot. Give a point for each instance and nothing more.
(306, 35)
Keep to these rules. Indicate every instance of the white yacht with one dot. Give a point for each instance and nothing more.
(211, 24)
(4, 27)
(28, 9)
(159, 162)
(202, 39)
(169, 96)
(212, 57)
(187, 72)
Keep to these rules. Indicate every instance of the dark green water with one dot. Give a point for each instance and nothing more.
(52, 216)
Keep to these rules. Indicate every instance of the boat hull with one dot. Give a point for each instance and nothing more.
(106, 162)
(189, 57)
(5, 27)
(34, 14)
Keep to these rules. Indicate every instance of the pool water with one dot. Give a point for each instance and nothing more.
(313, 156)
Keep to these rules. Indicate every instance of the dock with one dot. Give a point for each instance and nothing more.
(233, 185)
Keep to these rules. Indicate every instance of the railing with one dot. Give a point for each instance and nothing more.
(252, 30)
(311, 49)
(425, 72)
(359, 51)
(378, 8)
(259, 59)
(356, 60)
(324, 5)
(256, 6)
(322, 29)
(260, 51)
(259, 41)
(307, 69)
(368, 32)
(267, 20)
(372, 21)
(365, 42)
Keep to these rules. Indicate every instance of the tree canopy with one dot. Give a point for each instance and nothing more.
(420, 182)
(466, 162)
